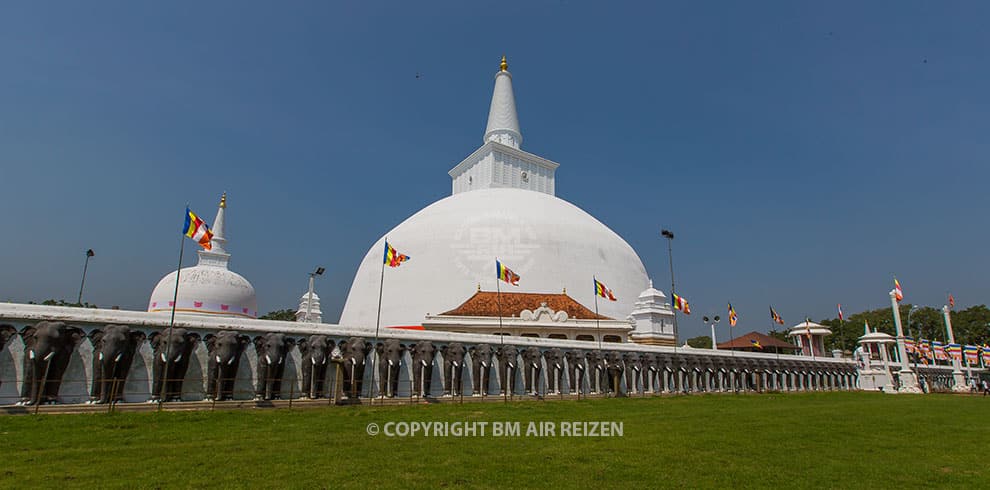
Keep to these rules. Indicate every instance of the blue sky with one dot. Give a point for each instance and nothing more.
(801, 153)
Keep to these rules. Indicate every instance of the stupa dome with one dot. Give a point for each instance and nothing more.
(209, 287)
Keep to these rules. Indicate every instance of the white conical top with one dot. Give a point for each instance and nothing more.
(503, 124)
(217, 255)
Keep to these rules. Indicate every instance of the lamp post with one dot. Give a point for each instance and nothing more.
(309, 299)
(713, 322)
(669, 235)
(89, 253)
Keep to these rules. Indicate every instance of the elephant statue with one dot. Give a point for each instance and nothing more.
(531, 360)
(114, 347)
(315, 352)
(634, 371)
(390, 353)
(225, 350)
(555, 369)
(453, 368)
(575, 370)
(172, 348)
(422, 361)
(7, 332)
(507, 357)
(272, 349)
(354, 352)
(614, 367)
(47, 349)
(481, 367)
(651, 371)
(596, 366)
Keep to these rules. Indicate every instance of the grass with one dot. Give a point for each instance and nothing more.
(836, 440)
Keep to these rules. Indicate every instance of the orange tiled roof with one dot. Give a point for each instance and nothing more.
(485, 303)
(743, 342)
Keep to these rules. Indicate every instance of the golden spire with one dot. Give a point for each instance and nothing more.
(504, 66)
(223, 200)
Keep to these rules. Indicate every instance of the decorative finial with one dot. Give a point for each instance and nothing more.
(565, 290)
(479, 287)
(223, 200)
(504, 66)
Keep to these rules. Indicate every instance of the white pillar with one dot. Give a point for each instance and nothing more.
(715, 347)
(959, 382)
(909, 381)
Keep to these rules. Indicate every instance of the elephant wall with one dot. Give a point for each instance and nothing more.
(672, 370)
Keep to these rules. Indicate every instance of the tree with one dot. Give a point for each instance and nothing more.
(62, 302)
(970, 326)
(703, 342)
(286, 315)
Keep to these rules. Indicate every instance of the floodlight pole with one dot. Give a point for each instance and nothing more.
(309, 299)
(89, 253)
(669, 235)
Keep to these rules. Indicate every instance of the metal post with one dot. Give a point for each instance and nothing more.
(670, 255)
(89, 253)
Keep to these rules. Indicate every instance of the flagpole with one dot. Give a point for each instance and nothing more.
(498, 300)
(378, 323)
(171, 321)
(776, 349)
(501, 332)
(598, 322)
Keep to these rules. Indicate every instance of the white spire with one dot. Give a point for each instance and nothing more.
(217, 255)
(309, 309)
(503, 124)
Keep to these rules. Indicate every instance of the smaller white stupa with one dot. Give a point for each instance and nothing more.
(209, 287)
(653, 318)
(309, 308)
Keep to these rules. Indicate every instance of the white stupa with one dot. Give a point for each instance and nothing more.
(209, 287)
(503, 206)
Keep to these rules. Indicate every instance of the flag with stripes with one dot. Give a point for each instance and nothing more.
(898, 292)
(972, 354)
(733, 318)
(603, 291)
(198, 230)
(955, 351)
(505, 274)
(681, 304)
(775, 317)
(392, 256)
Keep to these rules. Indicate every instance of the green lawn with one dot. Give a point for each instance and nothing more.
(839, 440)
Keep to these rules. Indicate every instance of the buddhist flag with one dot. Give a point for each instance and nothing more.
(392, 256)
(955, 351)
(505, 274)
(898, 292)
(939, 350)
(198, 230)
(972, 354)
(952, 302)
(681, 304)
(603, 291)
(839, 305)
(755, 343)
(775, 317)
(986, 355)
(909, 345)
(732, 316)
